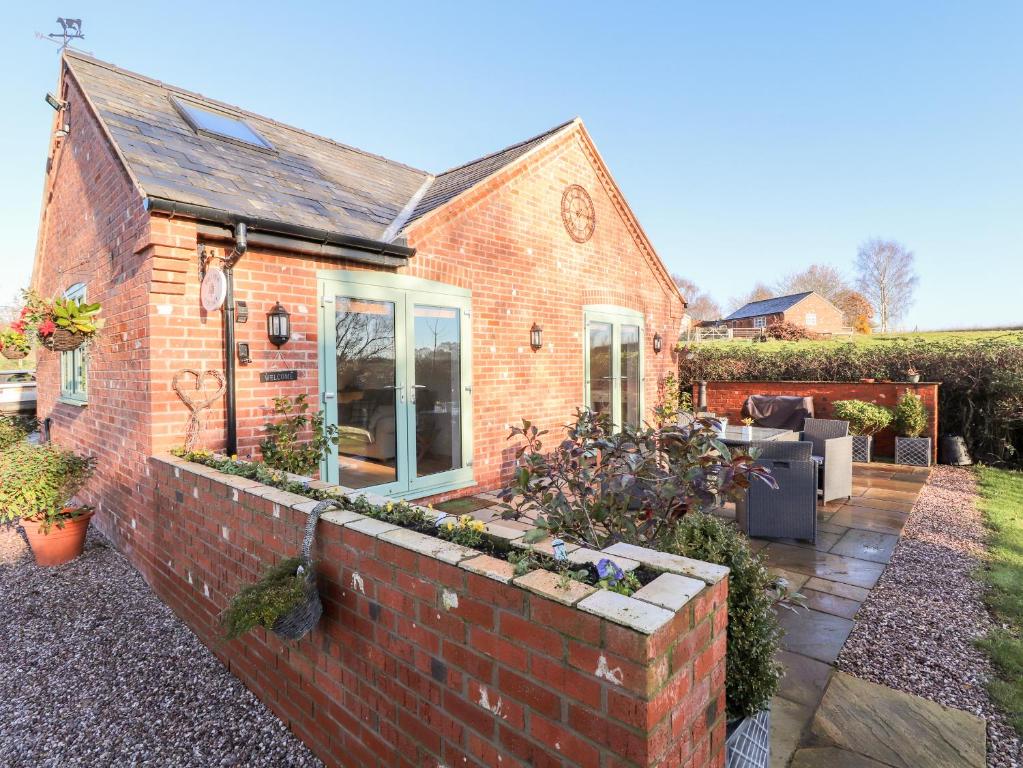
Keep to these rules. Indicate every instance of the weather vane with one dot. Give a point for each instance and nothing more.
(71, 29)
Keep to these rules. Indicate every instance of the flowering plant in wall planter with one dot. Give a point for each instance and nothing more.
(37, 487)
(66, 324)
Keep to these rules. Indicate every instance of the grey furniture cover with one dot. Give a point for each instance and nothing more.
(778, 411)
(790, 510)
(832, 449)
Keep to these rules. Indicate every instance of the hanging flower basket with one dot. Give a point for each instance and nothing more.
(276, 602)
(62, 340)
(13, 353)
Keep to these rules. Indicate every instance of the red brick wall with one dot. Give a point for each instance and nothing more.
(92, 217)
(725, 398)
(391, 677)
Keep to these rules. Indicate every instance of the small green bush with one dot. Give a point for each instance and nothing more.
(11, 432)
(910, 415)
(283, 447)
(752, 674)
(864, 418)
(279, 590)
(37, 481)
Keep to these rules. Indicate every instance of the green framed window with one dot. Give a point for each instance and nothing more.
(613, 362)
(74, 365)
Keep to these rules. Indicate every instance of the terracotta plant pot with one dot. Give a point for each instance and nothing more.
(60, 545)
(13, 353)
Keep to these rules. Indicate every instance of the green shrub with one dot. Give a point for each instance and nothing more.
(752, 674)
(279, 590)
(981, 393)
(11, 431)
(910, 415)
(37, 481)
(864, 418)
(283, 447)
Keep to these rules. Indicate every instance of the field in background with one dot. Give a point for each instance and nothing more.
(1007, 335)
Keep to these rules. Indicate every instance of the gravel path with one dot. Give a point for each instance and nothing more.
(98, 672)
(916, 631)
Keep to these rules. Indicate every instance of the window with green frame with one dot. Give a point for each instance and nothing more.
(74, 365)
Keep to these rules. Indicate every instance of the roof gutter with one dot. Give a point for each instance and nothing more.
(379, 252)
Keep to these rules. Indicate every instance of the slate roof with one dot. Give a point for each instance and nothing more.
(304, 180)
(768, 306)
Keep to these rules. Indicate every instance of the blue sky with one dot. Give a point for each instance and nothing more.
(751, 139)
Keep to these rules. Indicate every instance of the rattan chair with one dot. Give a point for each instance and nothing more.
(832, 449)
(790, 510)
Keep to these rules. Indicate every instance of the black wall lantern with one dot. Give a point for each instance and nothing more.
(536, 337)
(657, 343)
(278, 325)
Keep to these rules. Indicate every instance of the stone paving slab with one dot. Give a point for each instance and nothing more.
(897, 729)
(866, 545)
(847, 570)
(814, 633)
(831, 757)
(833, 604)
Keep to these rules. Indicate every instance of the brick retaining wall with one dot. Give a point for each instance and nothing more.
(725, 398)
(429, 654)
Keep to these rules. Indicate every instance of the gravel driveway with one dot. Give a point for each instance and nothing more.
(916, 631)
(98, 672)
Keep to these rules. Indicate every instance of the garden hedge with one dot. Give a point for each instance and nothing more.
(980, 397)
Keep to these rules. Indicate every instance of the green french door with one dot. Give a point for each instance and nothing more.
(395, 373)
(613, 349)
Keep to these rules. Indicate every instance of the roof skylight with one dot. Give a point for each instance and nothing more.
(220, 124)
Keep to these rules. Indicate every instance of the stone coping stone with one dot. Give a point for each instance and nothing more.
(553, 586)
(670, 591)
(582, 556)
(491, 567)
(628, 611)
(663, 561)
(424, 544)
(644, 612)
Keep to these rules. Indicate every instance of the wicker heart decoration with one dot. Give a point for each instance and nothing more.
(197, 404)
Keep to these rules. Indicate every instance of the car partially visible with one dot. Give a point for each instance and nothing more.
(18, 393)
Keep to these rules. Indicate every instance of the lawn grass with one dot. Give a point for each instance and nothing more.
(1001, 501)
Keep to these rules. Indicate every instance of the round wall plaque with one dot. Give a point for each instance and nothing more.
(213, 289)
(577, 213)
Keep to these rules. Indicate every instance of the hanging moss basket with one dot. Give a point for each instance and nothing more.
(14, 353)
(63, 340)
(286, 599)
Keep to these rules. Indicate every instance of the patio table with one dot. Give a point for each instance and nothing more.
(733, 436)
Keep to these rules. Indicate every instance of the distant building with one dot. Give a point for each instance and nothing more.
(808, 309)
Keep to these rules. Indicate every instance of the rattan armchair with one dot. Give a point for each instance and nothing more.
(832, 449)
(790, 510)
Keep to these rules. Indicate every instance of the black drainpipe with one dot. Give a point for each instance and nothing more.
(240, 246)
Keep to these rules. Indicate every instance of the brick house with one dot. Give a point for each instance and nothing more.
(808, 309)
(413, 297)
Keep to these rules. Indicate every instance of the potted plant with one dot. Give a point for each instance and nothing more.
(37, 486)
(66, 324)
(910, 423)
(751, 672)
(912, 375)
(14, 344)
(865, 420)
(747, 428)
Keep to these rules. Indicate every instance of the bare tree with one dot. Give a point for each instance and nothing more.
(760, 292)
(701, 305)
(885, 276)
(822, 278)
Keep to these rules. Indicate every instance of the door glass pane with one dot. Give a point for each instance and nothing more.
(366, 392)
(599, 339)
(437, 389)
(630, 374)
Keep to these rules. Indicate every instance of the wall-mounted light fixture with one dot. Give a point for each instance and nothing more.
(536, 337)
(278, 325)
(55, 103)
(658, 341)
